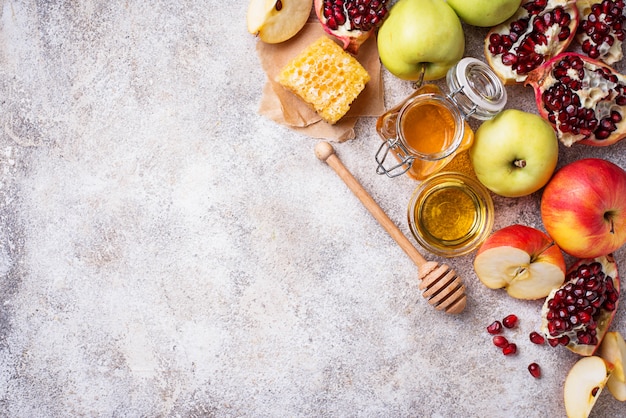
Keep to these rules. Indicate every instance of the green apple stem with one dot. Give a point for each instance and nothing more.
(519, 163)
(418, 83)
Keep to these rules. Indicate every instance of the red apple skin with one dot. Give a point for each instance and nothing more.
(528, 239)
(583, 208)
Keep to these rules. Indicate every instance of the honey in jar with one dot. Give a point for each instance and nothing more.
(428, 129)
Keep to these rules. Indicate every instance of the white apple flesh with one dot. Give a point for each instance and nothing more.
(515, 153)
(583, 385)
(521, 259)
(613, 350)
(275, 21)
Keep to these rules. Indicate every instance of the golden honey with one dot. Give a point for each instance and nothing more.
(450, 214)
(428, 128)
(434, 131)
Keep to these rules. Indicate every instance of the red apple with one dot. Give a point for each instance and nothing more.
(521, 259)
(583, 208)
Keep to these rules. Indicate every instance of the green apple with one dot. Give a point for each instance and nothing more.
(515, 153)
(485, 13)
(421, 33)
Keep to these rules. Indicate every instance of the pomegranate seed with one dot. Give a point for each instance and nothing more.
(495, 327)
(510, 349)
(584, 317)
(584, 338)
(537, 338)
(500, 341)
(534, 370)
(510, 321)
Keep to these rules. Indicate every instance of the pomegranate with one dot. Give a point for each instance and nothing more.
(536, 338)
(583, 99)
(538, 31)
(351, 21)
(534, 370)
(495, 327)
(500, 341)
(510, 321)
(601, 29)
(510, 349)
(578, 314)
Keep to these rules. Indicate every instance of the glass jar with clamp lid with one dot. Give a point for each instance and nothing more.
(429, 128)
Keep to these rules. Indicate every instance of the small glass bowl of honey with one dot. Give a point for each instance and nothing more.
(450, 214)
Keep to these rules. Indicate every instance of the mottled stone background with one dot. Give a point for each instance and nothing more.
(167, 252)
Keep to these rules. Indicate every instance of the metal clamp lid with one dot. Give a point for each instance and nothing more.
(405, 159)
(480, 86)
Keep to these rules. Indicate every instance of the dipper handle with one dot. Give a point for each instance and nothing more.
(439, 284)
(326, 152)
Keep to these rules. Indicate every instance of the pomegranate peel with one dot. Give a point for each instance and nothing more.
(351, 22)
(578, 314)
(538, 31)
(582, 98)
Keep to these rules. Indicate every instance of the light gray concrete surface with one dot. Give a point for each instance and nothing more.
(167, 252)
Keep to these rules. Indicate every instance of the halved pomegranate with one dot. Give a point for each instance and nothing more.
(601, 29)
(351, 21)
(583, 99)
(578, 314)
(538, 31)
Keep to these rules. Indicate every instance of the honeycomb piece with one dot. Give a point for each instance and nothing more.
(326, 77)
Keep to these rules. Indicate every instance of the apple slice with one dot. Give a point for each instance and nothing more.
(613, 350)
(521, 259)
(275, 21)
(583, 385)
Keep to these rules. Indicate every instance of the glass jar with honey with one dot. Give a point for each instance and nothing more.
(429, 128)
(450, 214)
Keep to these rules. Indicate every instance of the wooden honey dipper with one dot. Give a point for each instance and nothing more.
(439, 284)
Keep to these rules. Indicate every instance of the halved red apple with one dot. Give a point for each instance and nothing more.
(521, 259)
